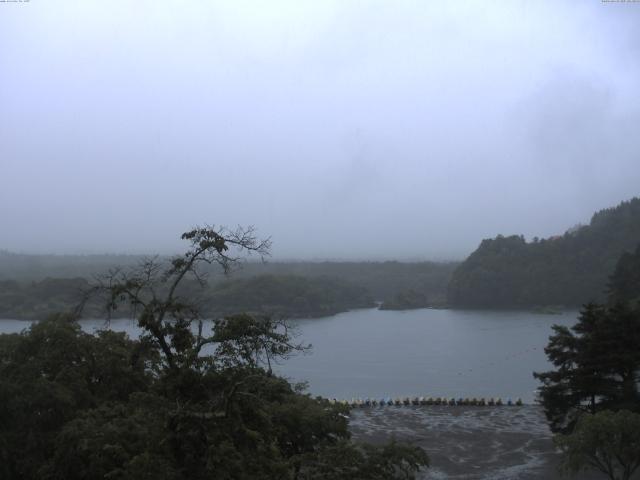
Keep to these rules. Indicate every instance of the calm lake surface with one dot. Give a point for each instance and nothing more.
(376, 353)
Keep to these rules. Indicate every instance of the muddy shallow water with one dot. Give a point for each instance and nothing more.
(470, 443)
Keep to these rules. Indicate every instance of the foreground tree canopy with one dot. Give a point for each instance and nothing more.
(184, 401)
(597, 361)
(608, 442)
(591, 399)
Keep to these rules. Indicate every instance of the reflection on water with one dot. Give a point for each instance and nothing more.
(374, 353)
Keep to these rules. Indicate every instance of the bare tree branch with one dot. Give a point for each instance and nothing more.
(152, 286)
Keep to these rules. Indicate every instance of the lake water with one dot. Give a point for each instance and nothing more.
(376, 353)
(452, 353)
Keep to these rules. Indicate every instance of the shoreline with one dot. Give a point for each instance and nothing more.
(468, 442)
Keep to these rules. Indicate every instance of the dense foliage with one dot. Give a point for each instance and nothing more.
(300, 289)
(282, 295)
(606, 441)
(381, 280)
(184, 401)
(38, 299)
(286, 295)
(566, 270)
(591, 399)
(596, 365)
(407, 300)
(31, 267)
(624, 284)
(597, 361)
(81, 406)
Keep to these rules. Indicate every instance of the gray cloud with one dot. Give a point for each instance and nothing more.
(341, 129)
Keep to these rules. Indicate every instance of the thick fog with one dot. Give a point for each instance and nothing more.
(342, 129)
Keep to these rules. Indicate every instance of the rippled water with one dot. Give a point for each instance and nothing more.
(375, 353)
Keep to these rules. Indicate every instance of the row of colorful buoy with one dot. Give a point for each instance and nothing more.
(373, 402)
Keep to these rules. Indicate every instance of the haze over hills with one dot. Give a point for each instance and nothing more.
(564, 270)
(33, 286)
(343, 129)
(504, 272)
(334, 163)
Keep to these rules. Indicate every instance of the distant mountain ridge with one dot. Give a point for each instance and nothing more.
(567, 270)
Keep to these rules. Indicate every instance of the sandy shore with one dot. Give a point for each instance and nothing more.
(470, 443)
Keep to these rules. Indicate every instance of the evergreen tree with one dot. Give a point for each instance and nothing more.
(624, 284)
(597, 364)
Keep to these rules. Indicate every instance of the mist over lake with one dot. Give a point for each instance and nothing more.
(440, 199)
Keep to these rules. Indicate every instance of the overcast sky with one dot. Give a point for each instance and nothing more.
(342, 129)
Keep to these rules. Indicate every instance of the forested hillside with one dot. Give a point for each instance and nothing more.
(624, 284)
(285, 295)
(566, 270)
(32, 286)
(383, 280)
(25, 267)
(279, 295)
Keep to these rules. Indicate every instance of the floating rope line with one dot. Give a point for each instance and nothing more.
(443, 401)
